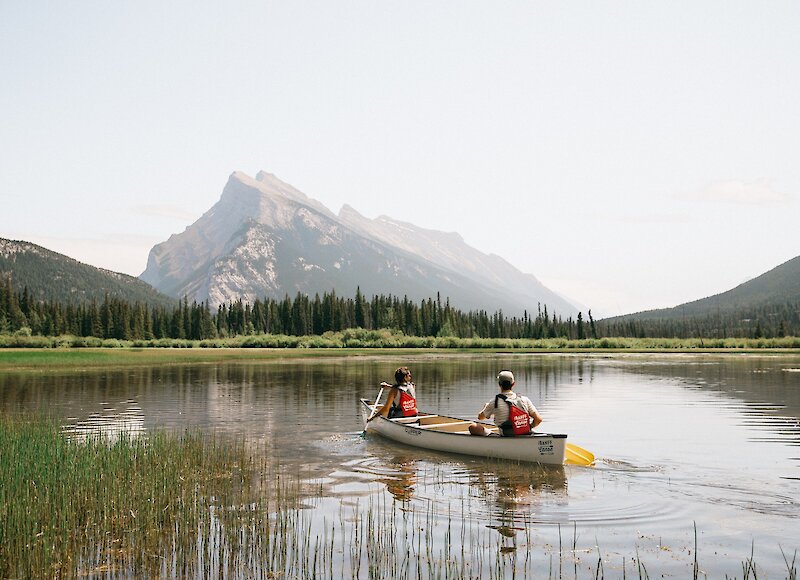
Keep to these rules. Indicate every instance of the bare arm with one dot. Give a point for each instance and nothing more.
(384, 411)
(537, 419)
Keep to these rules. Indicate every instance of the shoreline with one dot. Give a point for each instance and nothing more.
(45, 359)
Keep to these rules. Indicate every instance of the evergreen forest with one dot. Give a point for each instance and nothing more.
(301, 315)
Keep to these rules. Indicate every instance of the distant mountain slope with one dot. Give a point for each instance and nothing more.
(449, 251)
(264, 238)
(778, 287)
(52, 276)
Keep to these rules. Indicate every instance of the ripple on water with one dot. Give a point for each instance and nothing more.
(110, 423)
(479, 491)
(612, 465)
(745, 496)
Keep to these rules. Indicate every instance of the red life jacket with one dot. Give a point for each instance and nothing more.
(408, 404)
(518, 422)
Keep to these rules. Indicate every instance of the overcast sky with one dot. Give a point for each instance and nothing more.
(631, 155)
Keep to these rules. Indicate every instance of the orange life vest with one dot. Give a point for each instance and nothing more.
(407, 406)
(518, 422)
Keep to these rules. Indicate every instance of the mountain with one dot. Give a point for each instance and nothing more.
(767, 306)
(266, 238)
(450, 252)
(49, 275)
(778, 287)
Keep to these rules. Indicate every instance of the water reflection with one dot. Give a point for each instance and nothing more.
(403, 480)
(503, 496)
(682, 438)
(513, 492)
(756, 380)
(110, 423)
(765, 390)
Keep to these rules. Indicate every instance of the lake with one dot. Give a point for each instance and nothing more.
(682, 440)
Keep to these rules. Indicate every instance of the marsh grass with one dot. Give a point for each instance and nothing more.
(68, 358)
(261, 348)
(70, 507)
(359, 338)
(196, 505)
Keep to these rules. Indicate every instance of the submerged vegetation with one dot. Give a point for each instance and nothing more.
(195, 505)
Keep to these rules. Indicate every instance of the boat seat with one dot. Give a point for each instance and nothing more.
(452, 426)
(411, 419)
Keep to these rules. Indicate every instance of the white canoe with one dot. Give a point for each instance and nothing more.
(451, 435)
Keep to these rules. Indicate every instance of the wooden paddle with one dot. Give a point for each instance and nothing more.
(578, 456)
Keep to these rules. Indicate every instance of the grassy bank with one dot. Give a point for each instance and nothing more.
(371, 339)
(84, 358)
(37, 353)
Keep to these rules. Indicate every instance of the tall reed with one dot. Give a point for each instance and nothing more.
(197, 505)
(88, 506)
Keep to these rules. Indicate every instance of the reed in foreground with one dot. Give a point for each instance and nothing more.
(72, 507)
(196, 505)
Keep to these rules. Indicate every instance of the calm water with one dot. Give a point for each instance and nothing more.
(681, 439)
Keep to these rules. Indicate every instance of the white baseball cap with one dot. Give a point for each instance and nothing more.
(505, 378)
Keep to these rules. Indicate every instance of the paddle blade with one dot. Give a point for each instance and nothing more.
(374, 410)
(578, 456)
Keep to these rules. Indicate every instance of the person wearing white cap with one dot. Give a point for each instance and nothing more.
(514, 415)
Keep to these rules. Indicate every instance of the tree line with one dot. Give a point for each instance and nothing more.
(303, 315)
(762, 321)
(298, 316)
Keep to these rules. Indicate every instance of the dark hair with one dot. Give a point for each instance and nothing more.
(506, 384)
(401, 374)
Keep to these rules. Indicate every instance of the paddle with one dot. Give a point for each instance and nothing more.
(374, 410)
(578, 456)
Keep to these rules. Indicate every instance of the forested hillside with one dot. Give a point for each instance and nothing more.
(754, 322)
(51, 276)
(45, 293)
(768, 305)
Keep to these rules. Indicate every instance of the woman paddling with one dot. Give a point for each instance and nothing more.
(402, 399)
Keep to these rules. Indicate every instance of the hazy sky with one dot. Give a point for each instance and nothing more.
(631, 155)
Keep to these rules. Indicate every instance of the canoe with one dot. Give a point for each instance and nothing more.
(451, 435)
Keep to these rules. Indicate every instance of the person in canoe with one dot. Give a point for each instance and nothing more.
(514, 415)
(402, 398)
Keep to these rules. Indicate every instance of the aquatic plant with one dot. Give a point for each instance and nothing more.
(72, 506)
(199, 505)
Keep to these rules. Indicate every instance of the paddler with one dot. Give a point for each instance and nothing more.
(402, 398)
(514, 415)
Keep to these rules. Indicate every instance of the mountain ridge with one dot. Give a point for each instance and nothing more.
(50, 275)
(777, 286)
(266, 238)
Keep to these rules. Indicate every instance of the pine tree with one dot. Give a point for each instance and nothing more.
(360, 307)
(592, 326)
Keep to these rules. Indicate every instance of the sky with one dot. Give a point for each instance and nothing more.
(630, 155)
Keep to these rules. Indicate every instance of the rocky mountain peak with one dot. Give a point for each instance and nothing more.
(266, 238)
(348, 212)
